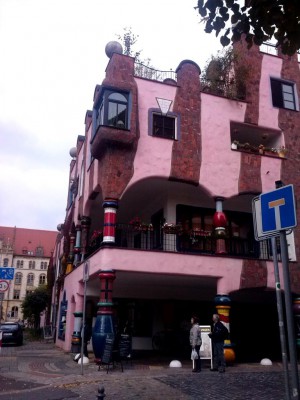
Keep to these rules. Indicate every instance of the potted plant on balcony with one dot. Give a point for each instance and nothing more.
(171, 228)
(281, 151)
(140, 226)
(96, 239)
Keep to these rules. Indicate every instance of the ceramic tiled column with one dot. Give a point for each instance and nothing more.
(104, 326)
(223, 306)
(110, 211)
(85, 226)
(220, 222)
(77, 247)
(71, 254)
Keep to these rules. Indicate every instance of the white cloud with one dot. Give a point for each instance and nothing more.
(52, 57)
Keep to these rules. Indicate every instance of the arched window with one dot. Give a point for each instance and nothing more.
(30, 279)
(43, 265)
(14, 312)
(42, 279)
(18, 278)
(112, 110)
(5, 262)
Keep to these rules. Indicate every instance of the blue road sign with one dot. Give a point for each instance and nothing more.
(7, 273)
(278, 209)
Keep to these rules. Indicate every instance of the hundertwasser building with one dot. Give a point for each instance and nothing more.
(161, 186)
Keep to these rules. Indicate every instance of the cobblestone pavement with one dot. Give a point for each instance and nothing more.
(40, 371)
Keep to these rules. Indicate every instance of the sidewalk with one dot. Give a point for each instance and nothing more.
(41, 371)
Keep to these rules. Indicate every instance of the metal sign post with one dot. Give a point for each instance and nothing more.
(281, 320)
(289, 316)
(273, 214)
(86, 267)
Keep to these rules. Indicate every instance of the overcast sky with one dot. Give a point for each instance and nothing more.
(52, 57)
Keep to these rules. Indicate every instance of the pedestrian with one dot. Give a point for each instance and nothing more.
(218, 335)
(195, 342)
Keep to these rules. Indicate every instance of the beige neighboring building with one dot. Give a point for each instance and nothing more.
(28, 251)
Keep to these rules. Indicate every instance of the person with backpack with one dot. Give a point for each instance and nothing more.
(196, 342)
(218, 335)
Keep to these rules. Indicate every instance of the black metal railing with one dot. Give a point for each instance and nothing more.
(147, 237)
(143, 71)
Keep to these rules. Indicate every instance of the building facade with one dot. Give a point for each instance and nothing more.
(160, 201)
(28, 252)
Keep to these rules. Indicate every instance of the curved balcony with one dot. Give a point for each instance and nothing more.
(164, 239)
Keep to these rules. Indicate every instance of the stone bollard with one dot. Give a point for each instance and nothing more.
(101, 394)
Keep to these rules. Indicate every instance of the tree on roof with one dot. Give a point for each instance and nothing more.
(143, 67)
(259, 20)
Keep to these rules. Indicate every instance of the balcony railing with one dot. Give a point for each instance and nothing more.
(143, 71)
(146, 237)
(270, 48)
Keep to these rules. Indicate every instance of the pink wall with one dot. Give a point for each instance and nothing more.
(220, 166)
(153, 156)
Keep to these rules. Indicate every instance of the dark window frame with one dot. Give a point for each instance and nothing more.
(281, 97)
(104, 106)
(155, 113)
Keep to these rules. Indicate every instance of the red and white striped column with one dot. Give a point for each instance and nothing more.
(220, 223)
(110, 215)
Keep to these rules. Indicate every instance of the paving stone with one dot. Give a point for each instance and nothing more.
(44, 372)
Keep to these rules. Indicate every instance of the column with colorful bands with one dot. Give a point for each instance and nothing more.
(110, 213)
(223, 306)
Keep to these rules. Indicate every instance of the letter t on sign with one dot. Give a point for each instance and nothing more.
(276, 204)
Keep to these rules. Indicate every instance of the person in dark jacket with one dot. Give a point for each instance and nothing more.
(217, 336)
(196, 341)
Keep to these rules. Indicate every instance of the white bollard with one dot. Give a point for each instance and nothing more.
(175, 364)
(85, 360)
(266, 361)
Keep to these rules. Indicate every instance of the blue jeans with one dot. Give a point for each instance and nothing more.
(218, 356)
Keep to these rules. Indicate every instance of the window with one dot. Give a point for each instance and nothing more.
(112, 110)
(16, 294)
(39, 251)
(43, 265)
(5, 262)
(31, 264)
(14, 312)
(42, 279)
(283, 94)
(163, 126)
(18, 278)
(81, 180)
(30, 279)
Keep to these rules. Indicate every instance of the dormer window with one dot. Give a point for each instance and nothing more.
(112, 110)
(39, 251)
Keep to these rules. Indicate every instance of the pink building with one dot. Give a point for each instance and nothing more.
(161, 190)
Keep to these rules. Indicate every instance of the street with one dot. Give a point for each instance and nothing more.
(40, 371)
